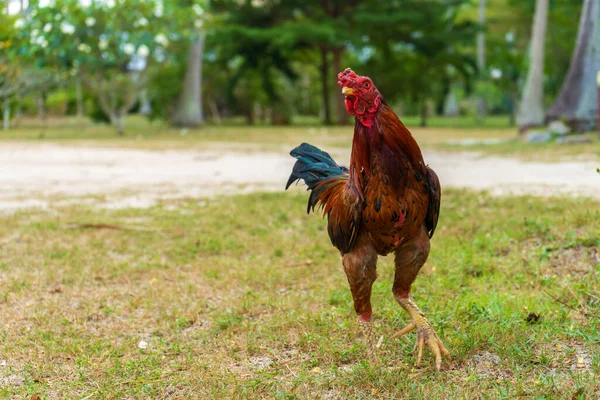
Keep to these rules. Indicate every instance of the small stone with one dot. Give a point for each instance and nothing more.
(559, 128)
(538, 137)
(142, 344)
(579, 139)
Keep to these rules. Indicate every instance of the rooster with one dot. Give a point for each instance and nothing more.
(387, 201)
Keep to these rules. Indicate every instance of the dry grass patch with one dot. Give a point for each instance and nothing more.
(244, 297)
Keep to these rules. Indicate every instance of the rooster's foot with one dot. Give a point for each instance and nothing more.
(425, 333)
(426, 336)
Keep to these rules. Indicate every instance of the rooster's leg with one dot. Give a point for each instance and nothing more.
(360, 267)
(409, 260)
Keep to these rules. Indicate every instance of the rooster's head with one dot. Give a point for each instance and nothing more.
(362, 97)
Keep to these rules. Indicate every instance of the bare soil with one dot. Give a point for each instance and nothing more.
(32, 174)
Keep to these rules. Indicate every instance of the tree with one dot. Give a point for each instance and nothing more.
(256, 49)
(189, 109)
(326, 28)
(110, 46)
(189, 105)
(481, 106)
(417, 64)
(11, 81)
(577, 102)
(531, 107)
(10, 84)
(338, 14)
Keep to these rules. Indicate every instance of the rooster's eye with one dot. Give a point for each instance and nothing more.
(366, 84)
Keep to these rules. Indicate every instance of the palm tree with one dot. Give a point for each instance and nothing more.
(189, 110)
(577, 102)
(531, 107)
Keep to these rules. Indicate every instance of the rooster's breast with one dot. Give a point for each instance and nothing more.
(395, 202)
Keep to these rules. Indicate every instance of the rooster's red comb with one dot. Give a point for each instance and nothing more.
(347, 77)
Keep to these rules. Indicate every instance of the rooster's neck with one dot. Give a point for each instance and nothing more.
(362, 145)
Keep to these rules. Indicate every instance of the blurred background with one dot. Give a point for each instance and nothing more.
(274, 62)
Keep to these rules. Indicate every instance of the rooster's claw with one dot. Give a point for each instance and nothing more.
(426, 335)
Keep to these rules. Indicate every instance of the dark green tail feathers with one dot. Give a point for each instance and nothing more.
(313, 166)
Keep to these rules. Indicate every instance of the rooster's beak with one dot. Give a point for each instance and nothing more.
(346, 91)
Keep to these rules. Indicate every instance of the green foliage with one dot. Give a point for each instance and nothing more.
(96, 113)
(250, 45)
(109, 44)
(57, 103)
(164, 88)
(514, 18)
(266, 57)
(99, 36)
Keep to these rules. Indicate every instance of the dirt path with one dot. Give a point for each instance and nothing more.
(30, 174)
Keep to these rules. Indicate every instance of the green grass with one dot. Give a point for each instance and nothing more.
(141, 133)
(244, 297)
(442, 134)
(532, 151)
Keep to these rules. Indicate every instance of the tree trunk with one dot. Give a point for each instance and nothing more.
(18, 110)
(108, 97)
(79, 97)
(306, 82)
(423, 113)
(42, 108)
(531, 109)
(189, 110)
(145, 106)
(216, 117)
(342, 114)
(325, 88)
(6, 113)
(249, 116)
(512, 118)
(480, 100)
(577, 102)
(117, 120)
(450, 108)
